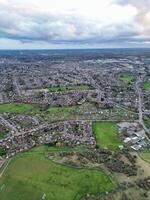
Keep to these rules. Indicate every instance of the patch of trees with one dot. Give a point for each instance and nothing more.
(110, 159)
(144, 183)
(2, 151)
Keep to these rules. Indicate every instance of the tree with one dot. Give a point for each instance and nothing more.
(2, 151)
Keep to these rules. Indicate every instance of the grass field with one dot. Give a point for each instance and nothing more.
(125, 77)
(71, 87)
(30, 176)
(145, 154)
(147, 84)
(54, 113)
(33, 108)
(18, 108)
(106, 134)
(2, 134)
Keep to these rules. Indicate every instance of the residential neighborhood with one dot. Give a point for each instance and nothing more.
(79, 111)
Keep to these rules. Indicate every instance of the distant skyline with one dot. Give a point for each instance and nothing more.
(65, 24)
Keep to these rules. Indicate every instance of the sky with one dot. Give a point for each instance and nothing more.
(50, 24)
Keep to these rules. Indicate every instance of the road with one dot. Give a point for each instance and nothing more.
(139, 93)
(8, 124)
(16, 85)
(138, 90)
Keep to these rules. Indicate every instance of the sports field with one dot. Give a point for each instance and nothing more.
(106, 134)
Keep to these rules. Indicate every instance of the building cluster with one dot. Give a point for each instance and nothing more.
(133, 135)
(70, 133)
(28, 79)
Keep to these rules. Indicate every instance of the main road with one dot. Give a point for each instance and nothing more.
(139, 93)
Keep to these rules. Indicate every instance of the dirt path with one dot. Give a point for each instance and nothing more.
(145, 166)
(1, 174)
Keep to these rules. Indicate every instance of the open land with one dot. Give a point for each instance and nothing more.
(27, 182)
(107, 135)
(145, 155)
(125, 77)
(147, 84)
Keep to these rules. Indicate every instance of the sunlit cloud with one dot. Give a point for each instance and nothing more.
(69, 22)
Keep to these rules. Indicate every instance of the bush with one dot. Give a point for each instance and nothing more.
(2, 151)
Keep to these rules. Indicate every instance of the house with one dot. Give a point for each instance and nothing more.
(134, 140)
(140, 134)
(121, 147)
(126, 140)
(143, 143)
(136, 147)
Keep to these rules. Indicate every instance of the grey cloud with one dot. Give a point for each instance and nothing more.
(31, 25)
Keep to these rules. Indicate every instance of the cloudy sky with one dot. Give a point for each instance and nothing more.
(74, 23)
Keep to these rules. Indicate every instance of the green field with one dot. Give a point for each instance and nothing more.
(2, 135)
(30, 175)
(54, 113)
(71, 87)
(125, 77)
(106, 134)
(33, 108)
(145, 154)
(17, 108)
(147, 84)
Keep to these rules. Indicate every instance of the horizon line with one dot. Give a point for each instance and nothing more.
(105, 48)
